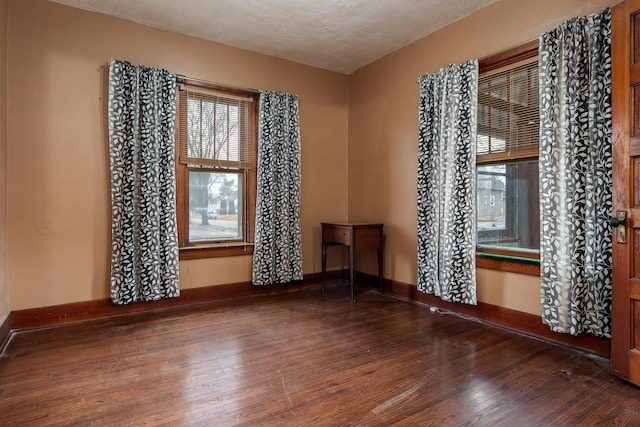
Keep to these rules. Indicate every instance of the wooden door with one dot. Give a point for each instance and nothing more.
(625, 343)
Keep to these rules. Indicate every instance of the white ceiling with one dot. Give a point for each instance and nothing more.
(337, 35)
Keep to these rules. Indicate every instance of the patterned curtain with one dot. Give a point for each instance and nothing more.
(575, 175)
(277, 255)
(447, 183)
(144, 257)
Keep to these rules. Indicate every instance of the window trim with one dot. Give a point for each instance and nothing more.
(227, 248)
(531, 267)
(509, 56)
(511, 260)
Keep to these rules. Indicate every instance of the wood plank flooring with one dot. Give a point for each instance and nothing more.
(303, 359)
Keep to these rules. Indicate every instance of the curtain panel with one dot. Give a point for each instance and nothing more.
(446, 182)
(144, 237)
(277, 254)
(575, 175)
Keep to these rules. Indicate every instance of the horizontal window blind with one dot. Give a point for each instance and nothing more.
(508, 113)
(215, 129)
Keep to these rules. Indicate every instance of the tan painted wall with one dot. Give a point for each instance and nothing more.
(4, 297)
(58, 196)
(383, 129)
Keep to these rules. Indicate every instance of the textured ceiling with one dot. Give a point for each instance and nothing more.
(337, 35)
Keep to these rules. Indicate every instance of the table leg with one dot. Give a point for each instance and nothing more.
(380, 280)
(352, 271)
(324, 264)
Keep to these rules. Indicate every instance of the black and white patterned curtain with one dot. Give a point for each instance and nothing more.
(446, 183)
(144, 238)
(575, 175)
(277, 254)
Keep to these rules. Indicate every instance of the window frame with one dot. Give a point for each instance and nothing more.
(503, 259)
(209, 249)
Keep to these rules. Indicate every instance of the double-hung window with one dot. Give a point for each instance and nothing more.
(508, 213)
(216, 171)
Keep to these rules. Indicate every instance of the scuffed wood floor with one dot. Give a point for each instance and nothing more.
(303, 359)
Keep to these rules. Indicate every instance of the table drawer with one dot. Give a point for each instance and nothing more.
(336, 234)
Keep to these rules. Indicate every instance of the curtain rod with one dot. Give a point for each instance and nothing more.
(515, 46)
(183, 78)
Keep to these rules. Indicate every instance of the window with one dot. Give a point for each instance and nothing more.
(511, 220)
(215, 170)
(507, 153)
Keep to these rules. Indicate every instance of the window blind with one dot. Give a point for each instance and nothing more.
(215, 129)
(508, 117)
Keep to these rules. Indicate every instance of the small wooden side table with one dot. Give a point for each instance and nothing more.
(357, 236)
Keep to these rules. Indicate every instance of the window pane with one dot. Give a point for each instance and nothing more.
(213, 129)
(215, 208)
(508, 118)
(511, 217)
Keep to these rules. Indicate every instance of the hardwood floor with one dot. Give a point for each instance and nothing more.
(301, 358)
